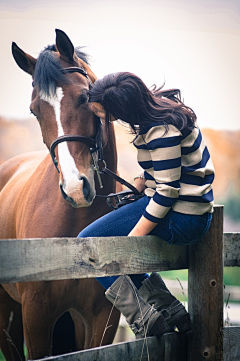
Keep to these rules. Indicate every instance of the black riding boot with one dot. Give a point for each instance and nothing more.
(143, 319)
(155, 292)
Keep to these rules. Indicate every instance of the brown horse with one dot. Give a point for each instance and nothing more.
(33, 206)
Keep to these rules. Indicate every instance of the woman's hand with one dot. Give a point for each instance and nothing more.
(142, 228)
(139, 182)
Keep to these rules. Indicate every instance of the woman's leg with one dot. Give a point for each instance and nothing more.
(182, 229)
(118, 223)
(121, 292)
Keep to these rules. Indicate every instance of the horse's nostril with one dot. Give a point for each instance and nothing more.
(86, 187)
(79, 193)
(67, 198)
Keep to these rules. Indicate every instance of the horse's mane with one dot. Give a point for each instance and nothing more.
(48, 72)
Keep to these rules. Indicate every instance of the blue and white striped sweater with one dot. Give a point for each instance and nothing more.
(178, 171)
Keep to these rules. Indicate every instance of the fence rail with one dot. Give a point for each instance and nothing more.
(46, 259)
(166, 348)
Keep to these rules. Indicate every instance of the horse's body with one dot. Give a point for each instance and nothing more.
(32, 206)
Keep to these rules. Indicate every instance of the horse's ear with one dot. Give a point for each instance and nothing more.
(24, 61)
(64, 45)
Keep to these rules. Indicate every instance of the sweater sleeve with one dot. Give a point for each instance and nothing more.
(165, 154)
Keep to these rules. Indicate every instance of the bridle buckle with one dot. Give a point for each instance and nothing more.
(96, 167)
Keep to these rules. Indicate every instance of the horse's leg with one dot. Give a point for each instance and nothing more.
(11, 321)
(79, 330)
(101, 329)
(44, 306)
(39, 314)
(38, 327)
(100, 318)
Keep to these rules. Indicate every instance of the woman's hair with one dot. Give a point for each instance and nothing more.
(127, 98)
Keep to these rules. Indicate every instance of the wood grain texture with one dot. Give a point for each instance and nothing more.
(231, 249)
(66, 258)
(170, 347)
(205, 293)
(71, 258)
(231, 344)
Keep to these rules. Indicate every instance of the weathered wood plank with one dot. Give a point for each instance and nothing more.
(70, 258)
(170, 347)
(64, 258)
(231, 344)
(231, 249)
(205, 293)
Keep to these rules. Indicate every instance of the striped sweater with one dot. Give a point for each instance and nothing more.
(178, 171)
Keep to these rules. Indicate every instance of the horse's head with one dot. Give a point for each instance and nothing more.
(60, 103)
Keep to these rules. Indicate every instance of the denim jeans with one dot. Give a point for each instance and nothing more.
(174, 228)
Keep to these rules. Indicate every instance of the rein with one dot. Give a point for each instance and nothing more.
(96, 150)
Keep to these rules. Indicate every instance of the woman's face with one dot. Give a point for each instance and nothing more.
(98, 109)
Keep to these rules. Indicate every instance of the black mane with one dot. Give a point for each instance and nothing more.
(48, 72)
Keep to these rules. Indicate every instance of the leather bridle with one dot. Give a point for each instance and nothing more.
(95, 144)
(95, 147)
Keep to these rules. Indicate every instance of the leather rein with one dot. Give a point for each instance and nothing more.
(96, 150)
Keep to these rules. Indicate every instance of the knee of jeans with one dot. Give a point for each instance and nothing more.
(84, 233)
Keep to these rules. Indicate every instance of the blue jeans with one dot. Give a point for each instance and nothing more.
(174, 228)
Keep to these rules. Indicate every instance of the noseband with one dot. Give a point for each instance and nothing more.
(95, 146)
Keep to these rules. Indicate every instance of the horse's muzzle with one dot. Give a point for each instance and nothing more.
(81, 198)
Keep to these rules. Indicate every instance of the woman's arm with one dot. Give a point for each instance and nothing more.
(162, 160)
(143, 227)
(139, 182)
(165, 155)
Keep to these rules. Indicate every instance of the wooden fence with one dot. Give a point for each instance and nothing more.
(65, 258)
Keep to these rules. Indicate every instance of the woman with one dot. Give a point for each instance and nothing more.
(177, 204)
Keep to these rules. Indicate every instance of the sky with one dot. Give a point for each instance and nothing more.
(193, 45)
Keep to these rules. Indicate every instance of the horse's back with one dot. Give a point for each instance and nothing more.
(24, 163)
(14, 174)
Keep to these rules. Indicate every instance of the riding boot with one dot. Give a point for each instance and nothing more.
(154, 292)
(143, 319)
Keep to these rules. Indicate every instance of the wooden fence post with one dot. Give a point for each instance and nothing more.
(205, 293)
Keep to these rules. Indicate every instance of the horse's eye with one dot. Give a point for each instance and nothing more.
(31, 112)
(82, 99)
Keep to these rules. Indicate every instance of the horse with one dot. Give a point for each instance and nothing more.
(37, 201)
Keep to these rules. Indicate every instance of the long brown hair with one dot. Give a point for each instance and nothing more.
(126, 97)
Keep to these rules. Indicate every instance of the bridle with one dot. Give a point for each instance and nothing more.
(96, 149)
(95, 144)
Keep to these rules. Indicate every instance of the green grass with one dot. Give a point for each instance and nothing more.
(2, 358)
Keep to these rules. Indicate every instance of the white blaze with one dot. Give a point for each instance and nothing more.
(69, 170)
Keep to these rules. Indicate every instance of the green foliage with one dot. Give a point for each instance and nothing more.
(231, 275)
(173, 275)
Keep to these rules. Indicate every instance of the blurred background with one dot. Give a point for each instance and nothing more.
(190, 45)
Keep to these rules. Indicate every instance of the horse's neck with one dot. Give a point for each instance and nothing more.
(110, 157)
(110, 150)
